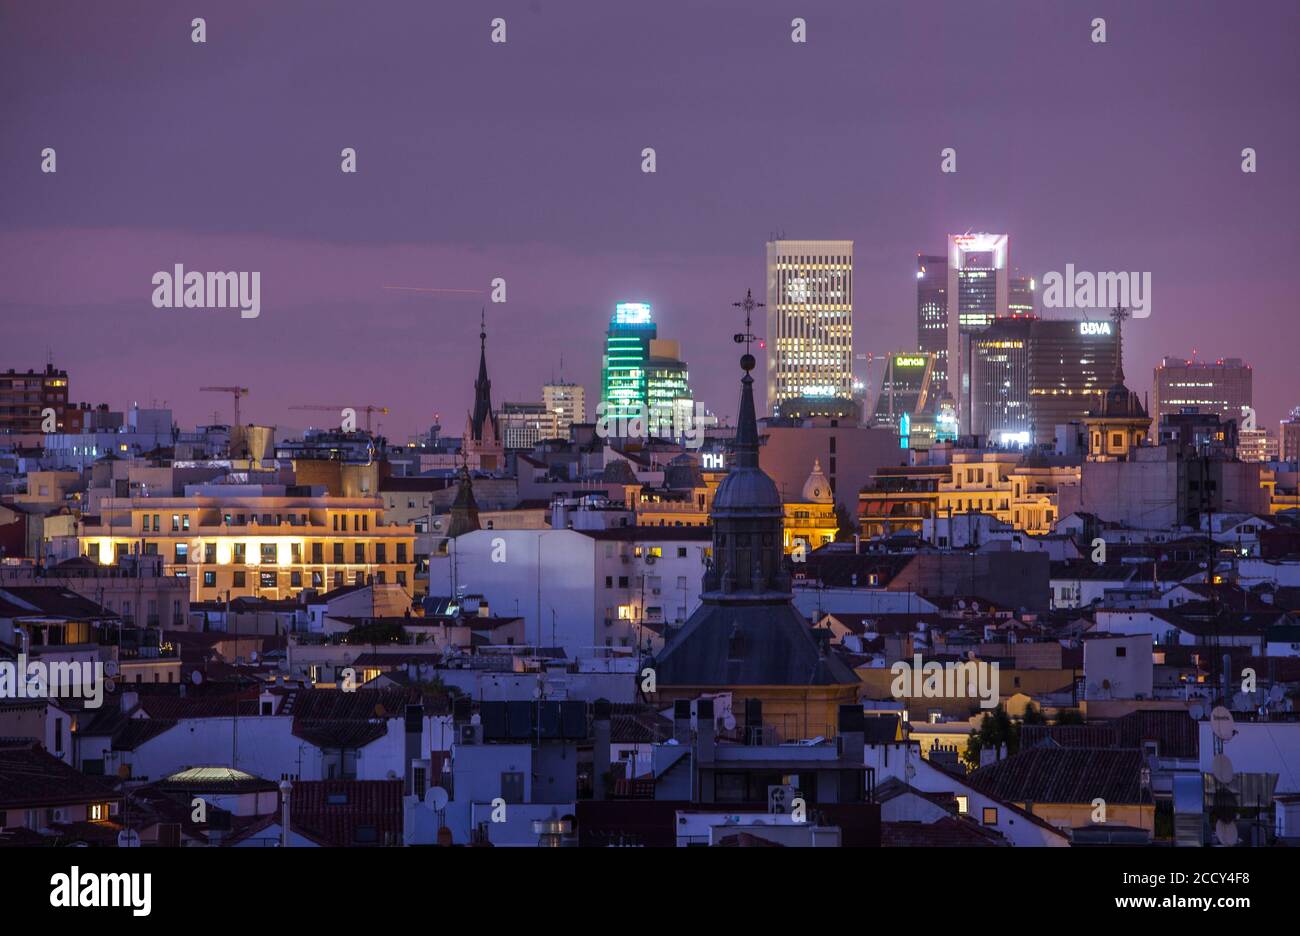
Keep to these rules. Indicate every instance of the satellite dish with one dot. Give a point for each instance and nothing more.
(128, 838)
(1226, 832)
(1276, 693)
(1221, 767)
(253, 656)
(197, 678)
(436, 797)
(729, 722)
(110, 668)
(1221, 723)
(1197, 711)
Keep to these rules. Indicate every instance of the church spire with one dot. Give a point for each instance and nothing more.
(482, 386)
(1118, 315)
(746, 444)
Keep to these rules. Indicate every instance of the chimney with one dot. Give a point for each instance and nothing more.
(414, 737)
(852, 730)
(600, 737)
(682, 721)
(285, 789)
(704, 731)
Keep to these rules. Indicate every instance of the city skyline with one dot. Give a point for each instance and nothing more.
(1089, 185)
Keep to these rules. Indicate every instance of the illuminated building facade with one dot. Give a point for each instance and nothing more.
(999, 381)
(809, 320)
(255, 540)
(1020, 295)
(25, 394)
(1223, 387)
(568, 401)
(668, 389)
(905, 389)
(624, 388)
(810, 519)
(1257, 445)
(932, 317)
(1289, 436)
(1071, 363)
(978, 293)
(523, 425)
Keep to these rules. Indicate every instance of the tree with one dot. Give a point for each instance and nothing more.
(847, 523)
(1069, 717)
(1033, 715)
(995, 730)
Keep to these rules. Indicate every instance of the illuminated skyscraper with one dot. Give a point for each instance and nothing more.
(809, 321)
(978, 293)
(904, 390)
(668, 389)
(932, 317)
(627, 349)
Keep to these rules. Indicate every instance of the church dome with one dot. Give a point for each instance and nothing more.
(747, 490)
(817, 490)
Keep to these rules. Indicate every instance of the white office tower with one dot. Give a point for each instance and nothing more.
(809, 321)
(977, 294)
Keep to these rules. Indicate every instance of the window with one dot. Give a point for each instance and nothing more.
(401, 552)
(58, 736)
(1121, 651)
(267, 579)
(182, 552)
(512, 786)
(241, 554)
(609, 581)
(681, 552)
(338, 553)
(359, 552)
(963, 806)
(185, 521)
(209, 552)
(210, 579)
(381, 552)
(318, 552)
(295, 579)
(317, 579)
(295, 553)
(176, 523)
(268, 553)
(240, 579)
(990, 815)
(401, 578)
(622, 581)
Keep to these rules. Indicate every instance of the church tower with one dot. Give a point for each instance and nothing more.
(482, 445)
(1119, 422)
(746, 635)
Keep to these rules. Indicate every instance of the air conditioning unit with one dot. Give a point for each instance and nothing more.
(469, 734)
(655, 590)
(649, 560)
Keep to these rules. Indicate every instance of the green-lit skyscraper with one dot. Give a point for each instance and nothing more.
(623, 377)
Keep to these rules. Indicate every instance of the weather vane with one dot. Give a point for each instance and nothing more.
(747, 337)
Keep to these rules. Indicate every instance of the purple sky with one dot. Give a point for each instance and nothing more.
(523, 160)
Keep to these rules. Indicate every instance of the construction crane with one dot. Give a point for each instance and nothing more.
(237, 392)
(368, 409)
